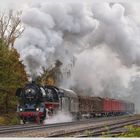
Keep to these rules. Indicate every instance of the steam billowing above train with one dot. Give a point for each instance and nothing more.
(102, 39)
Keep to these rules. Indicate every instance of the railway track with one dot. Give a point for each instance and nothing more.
(58, 129)
(96, 129)
(26, 127)
(106, 131)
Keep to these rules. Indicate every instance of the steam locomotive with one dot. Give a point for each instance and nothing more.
(39, 102)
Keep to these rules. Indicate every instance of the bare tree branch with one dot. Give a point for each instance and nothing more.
(10, 27)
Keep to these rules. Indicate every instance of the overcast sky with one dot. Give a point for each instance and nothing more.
(8, 4)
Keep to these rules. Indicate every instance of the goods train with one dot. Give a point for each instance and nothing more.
(38, 102)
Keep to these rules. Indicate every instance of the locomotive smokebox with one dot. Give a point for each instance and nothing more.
(33, 82)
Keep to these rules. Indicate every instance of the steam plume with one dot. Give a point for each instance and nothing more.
(53, 31)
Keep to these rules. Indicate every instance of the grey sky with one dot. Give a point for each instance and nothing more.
(8, 4)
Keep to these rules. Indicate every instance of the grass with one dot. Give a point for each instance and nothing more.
(132, 131)
(9, 119)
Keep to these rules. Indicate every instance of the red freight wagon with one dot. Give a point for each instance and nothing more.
(107, 105)
(119, 106)
(122, 106)
(114, 105)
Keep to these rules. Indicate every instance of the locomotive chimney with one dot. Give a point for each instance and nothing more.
(33, 80)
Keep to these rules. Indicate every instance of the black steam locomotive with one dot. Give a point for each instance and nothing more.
(35, 100)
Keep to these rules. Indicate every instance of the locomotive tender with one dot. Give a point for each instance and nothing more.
(38, 102)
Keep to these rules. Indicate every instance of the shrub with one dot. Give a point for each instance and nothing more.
(2, 121)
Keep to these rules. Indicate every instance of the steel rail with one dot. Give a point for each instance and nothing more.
(95, 132)
(33, 124)
(18, 128)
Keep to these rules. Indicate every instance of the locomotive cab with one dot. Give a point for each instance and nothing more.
(51, 99)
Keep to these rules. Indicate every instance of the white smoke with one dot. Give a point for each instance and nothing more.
(51, 32)
(101, 74)
(119, 31)
(103, 37)
(134, 88)
(60, 117)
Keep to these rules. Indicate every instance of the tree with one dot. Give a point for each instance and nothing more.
(10, 27)
(52, 75)
(12, 76)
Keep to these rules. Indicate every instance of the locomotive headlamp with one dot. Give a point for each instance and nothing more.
(37, 109)
(29, 90)
(20, 109)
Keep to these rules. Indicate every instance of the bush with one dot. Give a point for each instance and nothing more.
(9, 119)
(2, 121)
(14, 120)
